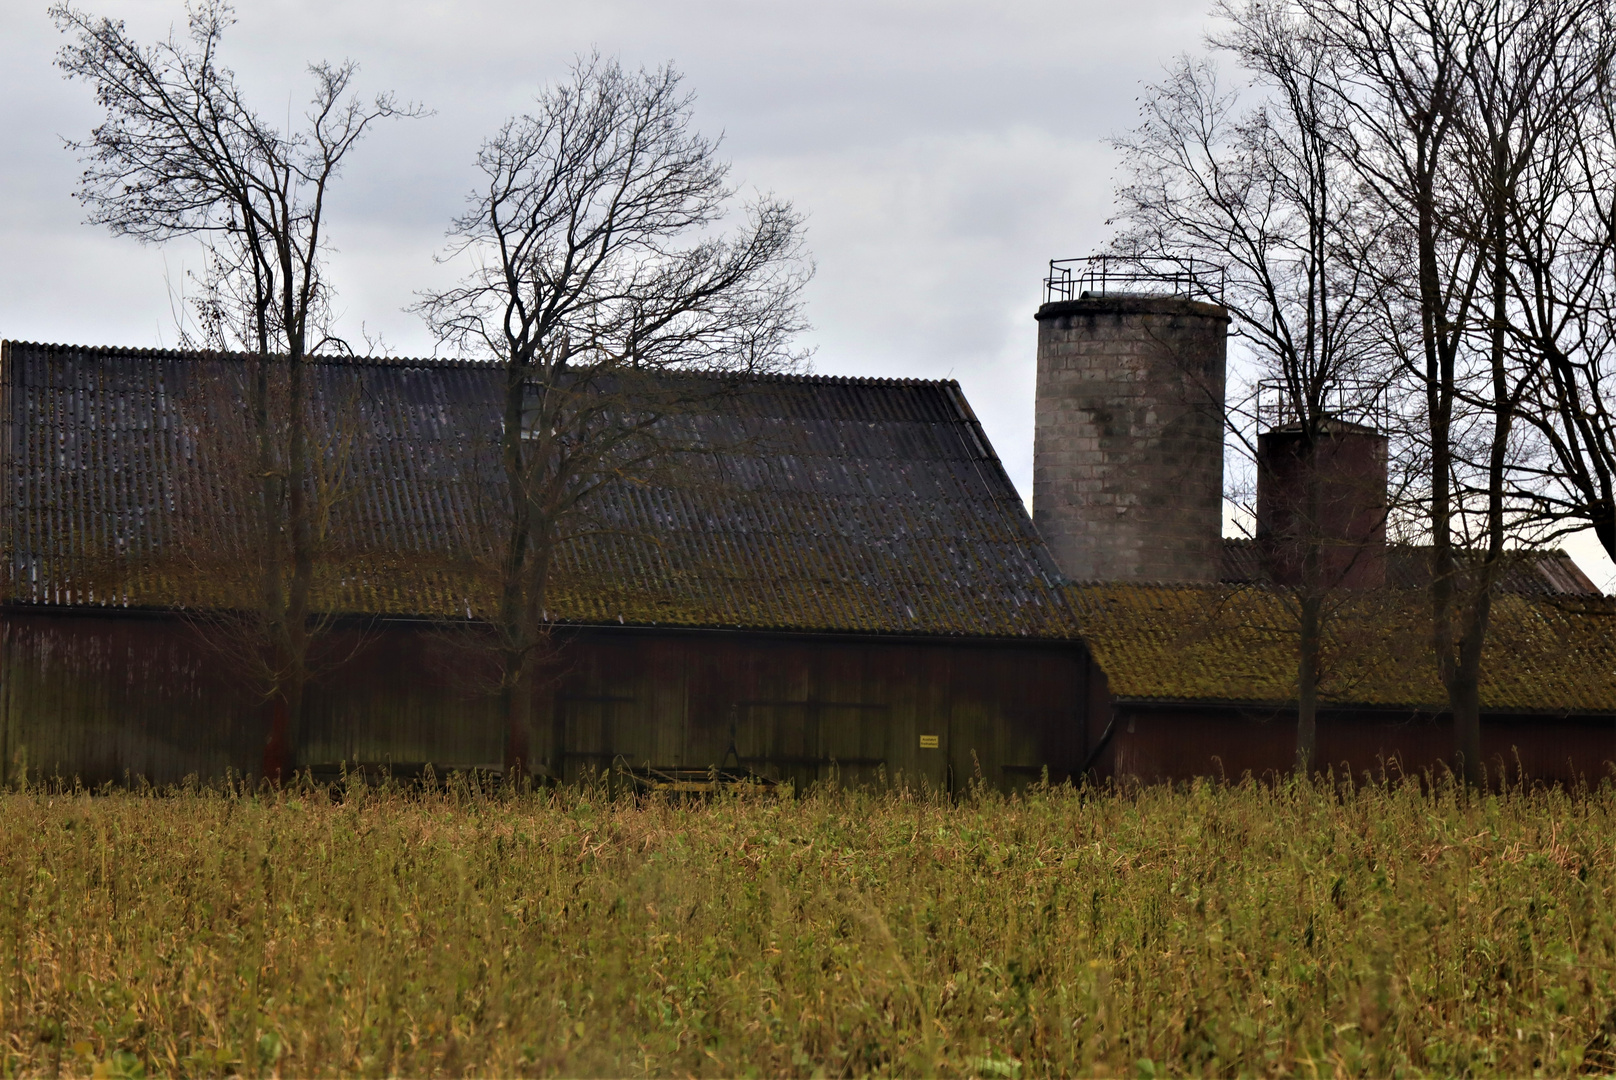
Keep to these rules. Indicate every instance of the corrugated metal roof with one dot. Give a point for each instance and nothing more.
(1408, 566)
(871, 505)
(1232, 644)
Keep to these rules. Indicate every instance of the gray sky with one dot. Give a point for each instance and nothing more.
(942, 150)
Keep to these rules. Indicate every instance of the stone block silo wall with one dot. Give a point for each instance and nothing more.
(1128, 446)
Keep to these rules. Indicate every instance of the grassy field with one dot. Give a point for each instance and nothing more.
(1215, 929)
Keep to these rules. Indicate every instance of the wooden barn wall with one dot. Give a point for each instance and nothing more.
(807, 709)
(110, 698)
(105, 698)
(1155, 743)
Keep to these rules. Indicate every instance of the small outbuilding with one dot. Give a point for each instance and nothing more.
(1200, 680)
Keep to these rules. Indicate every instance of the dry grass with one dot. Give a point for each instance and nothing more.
(1214, 929)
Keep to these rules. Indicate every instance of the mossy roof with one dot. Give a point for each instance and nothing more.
(798, 503)
(1408, 566)
(1238, 644)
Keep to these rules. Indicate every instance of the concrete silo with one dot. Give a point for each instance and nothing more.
(1128, 445)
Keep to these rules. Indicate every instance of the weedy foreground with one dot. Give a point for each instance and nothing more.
(1290, 929)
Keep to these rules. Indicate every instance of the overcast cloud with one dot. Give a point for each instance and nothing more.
(943, 152)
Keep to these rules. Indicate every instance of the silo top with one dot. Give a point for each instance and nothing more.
(1131, 304)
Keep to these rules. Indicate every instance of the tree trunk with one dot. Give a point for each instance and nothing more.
(1465, 689)
(518, 569)
(277, 761)
(1603, 516)
(299, 524)
(1464, 696)
(1440, 389)
(517, 706)
(524, 661)
(1307, 683)
(1311, 597)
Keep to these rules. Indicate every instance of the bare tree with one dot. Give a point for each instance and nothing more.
(1418, 200)
(1250, 180)
(181, 153)
(1449, 103)
(1561, 290)
(597, 267)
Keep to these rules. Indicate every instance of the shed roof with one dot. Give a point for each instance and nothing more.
(1408, 566)
(823, 504)
(1233, 644)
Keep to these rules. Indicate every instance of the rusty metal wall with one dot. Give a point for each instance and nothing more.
(107, 697)
(1155, 743)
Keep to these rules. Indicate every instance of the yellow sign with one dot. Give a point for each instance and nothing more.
(928, 742)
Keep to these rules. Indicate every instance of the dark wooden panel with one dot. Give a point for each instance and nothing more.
(102, 698)
(813, 710)
(1158, 743)
(99, 697)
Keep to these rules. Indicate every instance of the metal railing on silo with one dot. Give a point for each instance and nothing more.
(1115, 275)
(1351, 401)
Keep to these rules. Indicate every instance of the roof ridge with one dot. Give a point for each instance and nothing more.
(1269, 587)
(1404, 545)
(160, 353)
(149, 353)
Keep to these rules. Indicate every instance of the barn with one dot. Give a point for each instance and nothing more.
(1194, 636)
(854, 589)
(843, 586)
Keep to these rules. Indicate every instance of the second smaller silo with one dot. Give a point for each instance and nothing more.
(1327, 491)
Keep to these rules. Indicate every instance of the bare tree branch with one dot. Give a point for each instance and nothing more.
(597, 268)
(180, 153)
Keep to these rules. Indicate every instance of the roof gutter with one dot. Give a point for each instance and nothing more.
(1187, 704)
(358, 619)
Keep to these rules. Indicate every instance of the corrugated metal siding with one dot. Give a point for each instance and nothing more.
(1156, 744)
(819, 504)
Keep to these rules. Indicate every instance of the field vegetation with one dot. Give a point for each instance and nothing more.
(1298, 929)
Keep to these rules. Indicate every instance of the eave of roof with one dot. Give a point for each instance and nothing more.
(372, 619)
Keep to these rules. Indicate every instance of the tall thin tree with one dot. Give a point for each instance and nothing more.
(597, 268)
(1249, 180)
(180, 153)
(1450, 103)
